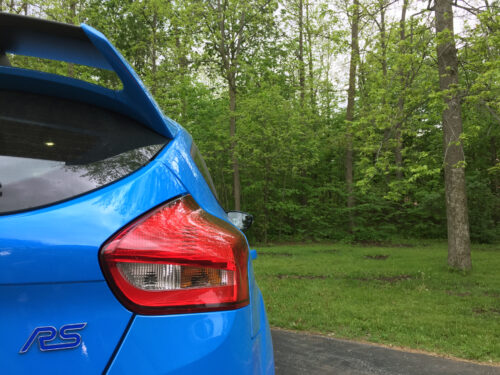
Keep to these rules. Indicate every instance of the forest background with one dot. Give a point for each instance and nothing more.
(262, 86)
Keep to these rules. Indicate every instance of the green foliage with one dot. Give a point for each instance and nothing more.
(483, 209)
(291, 150)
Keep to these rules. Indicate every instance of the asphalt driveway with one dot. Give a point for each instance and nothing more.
(297, 353)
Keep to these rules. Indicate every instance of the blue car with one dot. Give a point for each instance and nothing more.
(115, 255)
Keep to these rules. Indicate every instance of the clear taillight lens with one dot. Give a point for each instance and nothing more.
(177, 258)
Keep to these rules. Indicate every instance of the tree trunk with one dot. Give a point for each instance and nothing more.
(383, 39)
(229, 53)
(351, 93)
(494, 178)
(153, 53)
(232, 131)
(494, 161)
(454, 159)
(399, 144)
(312, 92)
(182, 63)
(302, 74)
(383, 48)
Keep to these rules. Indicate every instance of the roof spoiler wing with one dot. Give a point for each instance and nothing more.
(82, 45)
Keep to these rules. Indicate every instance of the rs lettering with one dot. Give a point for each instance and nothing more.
(68, 338)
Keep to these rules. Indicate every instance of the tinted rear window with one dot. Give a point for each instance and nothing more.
(53, 149)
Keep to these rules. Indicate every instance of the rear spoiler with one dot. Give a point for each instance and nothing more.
(82, 45)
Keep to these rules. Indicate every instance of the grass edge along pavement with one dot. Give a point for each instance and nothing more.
(398, 295)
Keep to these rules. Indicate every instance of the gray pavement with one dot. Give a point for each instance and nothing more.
(297, 353)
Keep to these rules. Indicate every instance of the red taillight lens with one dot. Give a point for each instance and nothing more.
(177, 258)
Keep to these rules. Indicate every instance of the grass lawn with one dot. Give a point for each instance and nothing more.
(403, 296)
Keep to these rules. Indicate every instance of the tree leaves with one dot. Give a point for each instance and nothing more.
(291, 154)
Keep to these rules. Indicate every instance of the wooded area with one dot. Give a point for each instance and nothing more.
(336, 120)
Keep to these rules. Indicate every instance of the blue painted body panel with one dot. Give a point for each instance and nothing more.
(63, 87)
(50, 274)
(57, 47)
(60, 243)
(179, 161)
(203, 343)
(216, 342)
(24, 307)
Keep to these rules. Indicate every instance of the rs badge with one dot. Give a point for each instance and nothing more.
(69, 339)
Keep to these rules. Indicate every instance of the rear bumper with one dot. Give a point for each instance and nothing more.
(208, 343)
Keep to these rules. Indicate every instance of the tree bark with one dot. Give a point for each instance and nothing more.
(182, 63)
(454, 159)
(153, 52)
(312, 91)
(302, 73)
(351, 93)
(383, 38)
(232, 130)
(229, 52)
(232, 84)
(494, 161)
(398, 156)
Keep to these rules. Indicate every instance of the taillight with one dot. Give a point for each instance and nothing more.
(177, 259)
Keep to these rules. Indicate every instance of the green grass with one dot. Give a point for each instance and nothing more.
(409, 298)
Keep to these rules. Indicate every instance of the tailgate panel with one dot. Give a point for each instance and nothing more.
(50, 274)
(61, 243)
(26, 307)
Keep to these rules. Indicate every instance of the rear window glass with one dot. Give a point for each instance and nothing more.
(53, 149)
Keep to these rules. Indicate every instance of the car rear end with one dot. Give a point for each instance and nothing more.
(115, 256)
